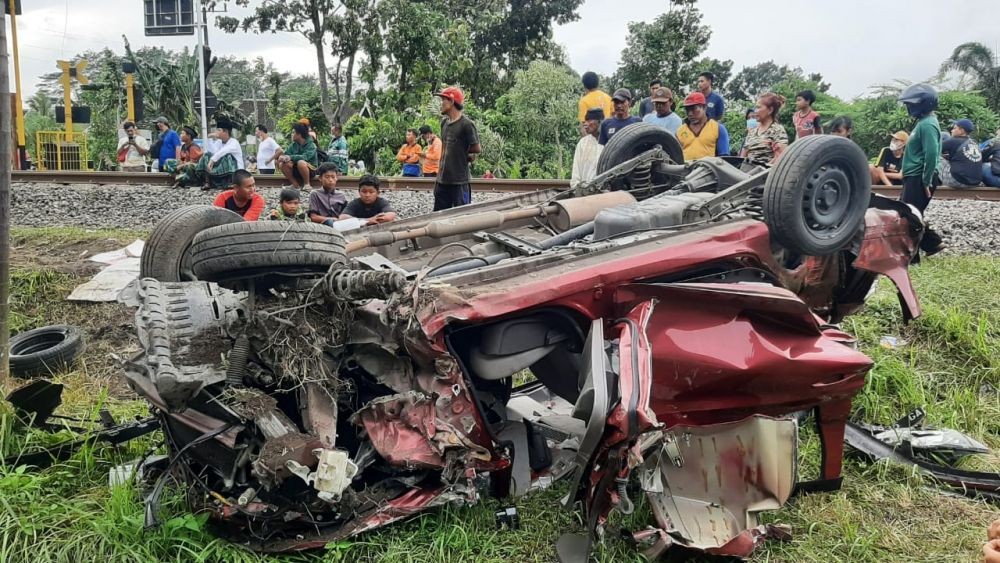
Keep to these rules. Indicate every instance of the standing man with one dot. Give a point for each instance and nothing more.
(594, 98)
(337, 152)
(432, 154)
(132, 149)
(646, 105)
(663, 103)
(170, 143)
(298, 161)
(920, 158)
(962, 166)
(701, 136)
(621, 119)
(266, 149)
(588, 150)
(460, 142)
(715, 106)
(409, 154)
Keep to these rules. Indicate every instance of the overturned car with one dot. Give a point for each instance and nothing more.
(654, 329)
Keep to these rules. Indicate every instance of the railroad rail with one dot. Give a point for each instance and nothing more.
(398, 183)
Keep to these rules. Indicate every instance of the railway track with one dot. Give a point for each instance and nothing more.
(399, 183)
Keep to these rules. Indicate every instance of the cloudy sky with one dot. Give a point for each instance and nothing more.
(853, 43)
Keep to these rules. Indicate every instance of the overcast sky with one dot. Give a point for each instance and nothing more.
(853, 43)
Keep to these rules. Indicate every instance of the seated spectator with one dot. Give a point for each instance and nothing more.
(369, 205)
(337, 152)
(242, 198)
(309, 129)
(701, 136)
(409, 154)
(170, 143)
(216, 167)
(298, 161)
(766, 143)
(841, 126)
(888, 169)
(805, 118)
(288, 208)
(132, 150)
(663, 110)
(432, 154)
(588, 150)
(188, 154)
(991, 161)
(488, 175)
(326, 205)
(961, 160)
(622, 101)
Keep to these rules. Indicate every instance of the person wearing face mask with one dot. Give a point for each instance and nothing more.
(751, 118)
(888, 169)
(768, 140)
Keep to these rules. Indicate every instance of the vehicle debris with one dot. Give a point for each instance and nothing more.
(674, 317)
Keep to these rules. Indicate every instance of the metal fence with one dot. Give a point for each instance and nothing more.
(54, 152)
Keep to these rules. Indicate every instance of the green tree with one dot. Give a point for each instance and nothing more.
(543, 102)
(723, 71)
(752, 81)
(168, 80)
(666, 48)
(979, 63)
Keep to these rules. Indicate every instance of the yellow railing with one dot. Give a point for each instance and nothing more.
(54, 152)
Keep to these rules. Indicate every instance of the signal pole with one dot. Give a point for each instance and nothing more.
(5, 163)
(18, 109)
(201, 28)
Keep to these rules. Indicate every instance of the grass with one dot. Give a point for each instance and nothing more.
(950, 365)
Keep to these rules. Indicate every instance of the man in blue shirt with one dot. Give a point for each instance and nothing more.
(620, 119)
(663, 111)
(169, 141)
(715, 106)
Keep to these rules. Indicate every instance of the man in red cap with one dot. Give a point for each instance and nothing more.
(459, 147)
(699, 135)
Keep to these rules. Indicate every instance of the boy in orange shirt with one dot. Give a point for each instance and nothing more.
(409, 154)
(432, 154)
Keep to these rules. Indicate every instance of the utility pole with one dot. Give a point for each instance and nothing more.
(5, 162)
(201, 29)
(18, 109)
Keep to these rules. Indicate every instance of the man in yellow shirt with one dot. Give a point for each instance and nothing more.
(701, 136)
(594, 98)
(432, 154)
(409, 154)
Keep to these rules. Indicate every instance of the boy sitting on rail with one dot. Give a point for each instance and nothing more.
(369, 205)
(289, 208)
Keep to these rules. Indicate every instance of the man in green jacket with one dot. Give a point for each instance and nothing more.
(299, 160)
(920, 159)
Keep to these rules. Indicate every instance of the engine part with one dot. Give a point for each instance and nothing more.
(573, 212)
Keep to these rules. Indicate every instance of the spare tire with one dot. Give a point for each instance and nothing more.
(230, 254)
(634, 140)
(163, 256)
(45, 351)
(816, 196)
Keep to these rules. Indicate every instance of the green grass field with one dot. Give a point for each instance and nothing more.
(950, 365)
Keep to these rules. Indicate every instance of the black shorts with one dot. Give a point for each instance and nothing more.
(447, 196)
(265, 171)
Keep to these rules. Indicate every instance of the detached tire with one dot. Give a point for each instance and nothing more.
(815, 198)
(634, 140)
(231, 254)
(163, 257)
(45, 351)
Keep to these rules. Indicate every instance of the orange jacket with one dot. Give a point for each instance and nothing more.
(432, 157)
(409, 154)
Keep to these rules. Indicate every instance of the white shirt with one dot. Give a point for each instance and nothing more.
(133, 158)
(232, 146)
(588, 150)
(265, 153)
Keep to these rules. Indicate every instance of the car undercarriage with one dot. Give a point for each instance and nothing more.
(654, 331)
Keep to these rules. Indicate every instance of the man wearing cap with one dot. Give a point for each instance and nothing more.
(888, 168)
(620, 119)
(962, 161)
(663, 115)
(594, 98)
(700, 135)
(170, 142)
(588, 150)
(459, 147)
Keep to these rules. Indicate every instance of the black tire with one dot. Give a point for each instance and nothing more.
(259, 250)
(634, 140)
(815, 198)
(164, 256)
(45, 351)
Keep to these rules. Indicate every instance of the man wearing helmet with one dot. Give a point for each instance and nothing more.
(920, 159)
(459, 147)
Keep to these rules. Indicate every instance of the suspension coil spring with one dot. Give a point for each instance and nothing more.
(354, 285)
(755, 203)
(641, 178)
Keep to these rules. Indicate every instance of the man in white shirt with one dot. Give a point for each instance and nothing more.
(134, 149)
(228, 157)
(265, 151)
(588, 150)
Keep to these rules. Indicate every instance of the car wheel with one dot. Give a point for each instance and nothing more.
(45, 351)
(164, 255)
(816, 196)
(232, 254)
(632, 141)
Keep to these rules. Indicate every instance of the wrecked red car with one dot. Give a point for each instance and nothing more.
(653, 330)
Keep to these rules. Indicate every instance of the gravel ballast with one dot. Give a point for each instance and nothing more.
(968, 226)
